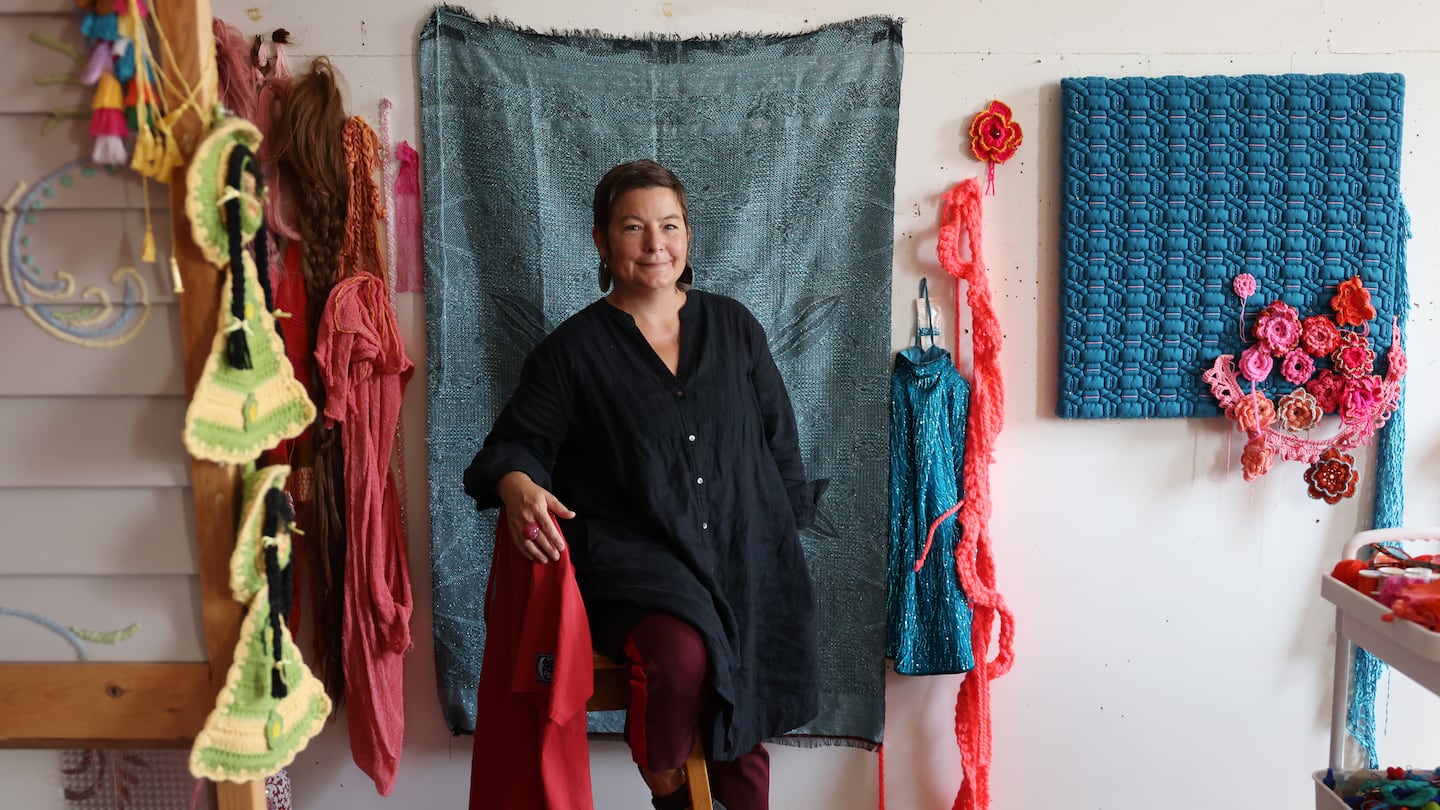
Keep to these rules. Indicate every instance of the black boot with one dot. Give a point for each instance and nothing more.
(679, 800)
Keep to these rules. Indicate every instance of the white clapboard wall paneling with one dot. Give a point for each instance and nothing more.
(166, 608)
(93, 442)
(36, 363)
(36, 154)
(89, 246)
(94, 531)
(19, 90)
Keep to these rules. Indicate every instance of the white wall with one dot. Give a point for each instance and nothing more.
(1172, 646)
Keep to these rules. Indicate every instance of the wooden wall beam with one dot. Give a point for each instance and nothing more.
(215, 487)
(93, 705)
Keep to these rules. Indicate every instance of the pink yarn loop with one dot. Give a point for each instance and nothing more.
(974, 563)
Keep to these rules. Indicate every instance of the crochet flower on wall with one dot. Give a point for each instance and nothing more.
(1346, 385)
(994, 138)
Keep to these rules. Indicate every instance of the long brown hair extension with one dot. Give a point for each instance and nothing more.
(307, 144)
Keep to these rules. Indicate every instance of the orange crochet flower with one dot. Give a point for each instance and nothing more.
(1256, 459)
(1332, 477)
(994, 137)
(1352, 303)
(1299, 411)
(1254, 412)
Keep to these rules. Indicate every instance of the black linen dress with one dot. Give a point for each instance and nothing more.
(689, 493)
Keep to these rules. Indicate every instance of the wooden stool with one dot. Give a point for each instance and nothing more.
(612, 691)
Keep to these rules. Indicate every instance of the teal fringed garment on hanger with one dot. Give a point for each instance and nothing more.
(927, 614)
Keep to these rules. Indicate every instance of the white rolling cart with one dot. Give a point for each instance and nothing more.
(1404, 645)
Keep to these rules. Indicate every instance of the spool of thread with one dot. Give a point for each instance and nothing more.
(1419, 576)
(1369, 581)
(1391, 572)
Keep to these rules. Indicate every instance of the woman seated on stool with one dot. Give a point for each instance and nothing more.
(655, 426)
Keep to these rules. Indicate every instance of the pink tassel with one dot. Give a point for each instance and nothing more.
(105, 121)
(100, 59)
(109, 151)
(409, 255)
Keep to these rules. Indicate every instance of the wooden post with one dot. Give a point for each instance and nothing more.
(215, 487)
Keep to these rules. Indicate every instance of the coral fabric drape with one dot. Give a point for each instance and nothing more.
(364, 367)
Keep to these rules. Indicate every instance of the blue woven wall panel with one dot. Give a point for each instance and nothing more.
(1170, 187)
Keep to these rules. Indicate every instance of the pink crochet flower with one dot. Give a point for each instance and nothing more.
(1244, 285)
(1326, 387)
(1255, 461)
(1298, 411)
(1319, 336)
(1277, 329)
(1352, 303)
(1354, 358)
(1360, 398)
(1256, 364)
(1297, 367)
(1254, 412)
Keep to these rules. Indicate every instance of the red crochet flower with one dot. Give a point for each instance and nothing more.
(1318, 336)
(994, 137)
(1352, 303)
(1277, 329)
(1354, 358)
(1326, 387)
(1298, 411)
(1257, 459)
(1332, 477)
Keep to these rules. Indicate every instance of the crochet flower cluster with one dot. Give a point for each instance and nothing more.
(1300, 351)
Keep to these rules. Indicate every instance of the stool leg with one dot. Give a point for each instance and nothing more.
(697, 777)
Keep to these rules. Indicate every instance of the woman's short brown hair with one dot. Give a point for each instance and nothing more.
(630, 176)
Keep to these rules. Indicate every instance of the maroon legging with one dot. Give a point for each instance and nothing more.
(669, 692)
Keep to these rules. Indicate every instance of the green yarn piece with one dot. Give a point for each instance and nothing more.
(106, 636)
(236, 413)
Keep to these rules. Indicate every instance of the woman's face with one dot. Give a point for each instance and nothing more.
(647, 241)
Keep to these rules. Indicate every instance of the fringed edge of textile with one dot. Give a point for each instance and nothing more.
(895, 24)
(822, 741)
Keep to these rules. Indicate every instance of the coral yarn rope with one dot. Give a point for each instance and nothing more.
(974, 563)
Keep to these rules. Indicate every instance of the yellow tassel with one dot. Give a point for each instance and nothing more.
(175, 275)
(147, 248)
(108, 93)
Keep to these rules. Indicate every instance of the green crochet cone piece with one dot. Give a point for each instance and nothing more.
(247, 561)
(251, 735)
(237, 413)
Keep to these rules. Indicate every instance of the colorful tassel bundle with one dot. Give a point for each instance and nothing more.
(123, 73)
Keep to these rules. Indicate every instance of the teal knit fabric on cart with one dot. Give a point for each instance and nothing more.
(1171, 187)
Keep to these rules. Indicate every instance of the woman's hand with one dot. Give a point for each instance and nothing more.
(527, 515)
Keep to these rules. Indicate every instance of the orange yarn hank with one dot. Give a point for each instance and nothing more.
(361, 252)
(974, 563)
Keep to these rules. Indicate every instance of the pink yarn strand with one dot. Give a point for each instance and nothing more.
(974, 563)
(409, 257)
(930, 535)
